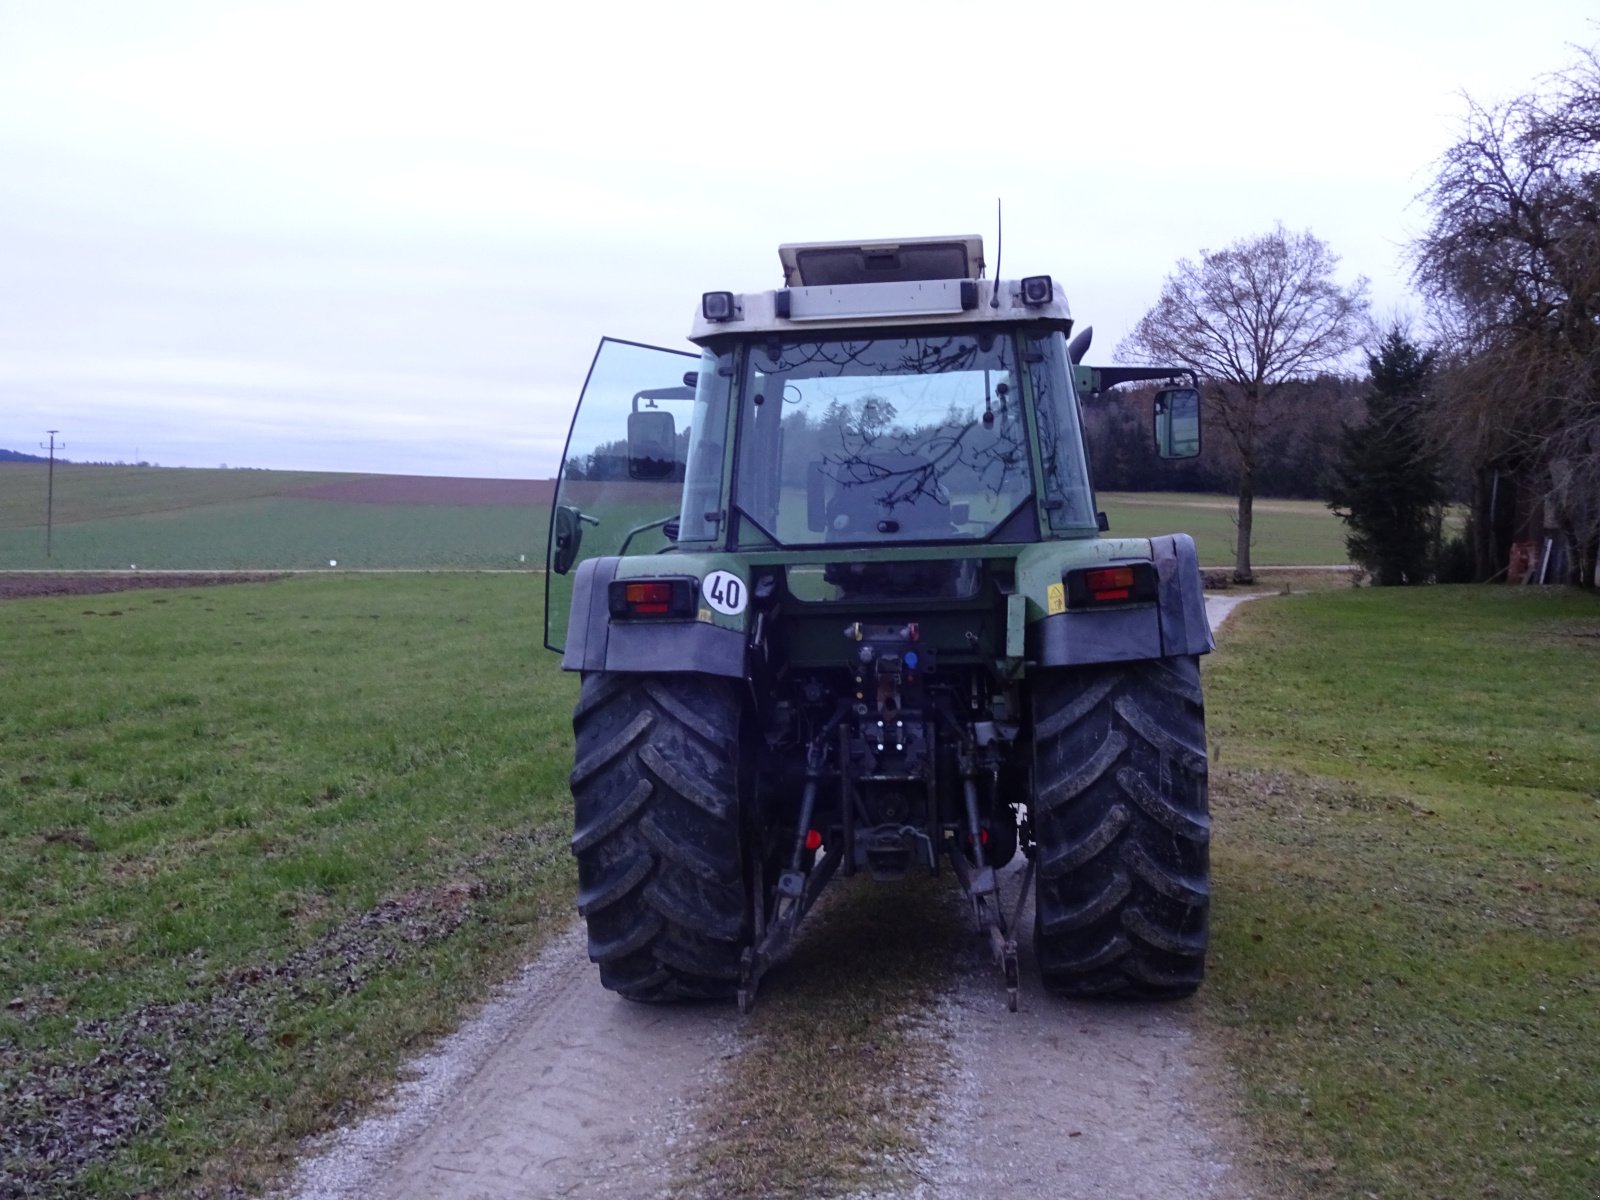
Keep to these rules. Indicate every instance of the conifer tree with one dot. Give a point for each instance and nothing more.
(1388, 482)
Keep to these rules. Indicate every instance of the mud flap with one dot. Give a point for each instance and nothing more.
(1181, 599)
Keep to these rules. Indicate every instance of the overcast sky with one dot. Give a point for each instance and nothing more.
(387, 236)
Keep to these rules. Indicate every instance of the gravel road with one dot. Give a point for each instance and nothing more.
(1069, 1100)
(557, 1088)
(560, 1089)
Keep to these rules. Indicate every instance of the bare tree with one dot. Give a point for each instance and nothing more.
(1250, 319)
(1511, 267)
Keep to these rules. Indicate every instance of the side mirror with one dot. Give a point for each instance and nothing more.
(652, 444)
(1177, 422)
(569, 537)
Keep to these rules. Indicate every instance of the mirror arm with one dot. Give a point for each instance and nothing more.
(645, 528)
(1106, 378)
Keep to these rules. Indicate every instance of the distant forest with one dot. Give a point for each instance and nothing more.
(1296, 443)
(18, 456)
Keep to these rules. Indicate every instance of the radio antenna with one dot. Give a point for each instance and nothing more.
(999, 244)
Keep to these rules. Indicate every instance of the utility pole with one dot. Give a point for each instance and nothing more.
(50, 490)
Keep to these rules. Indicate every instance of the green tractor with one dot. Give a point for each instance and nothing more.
(843, 603)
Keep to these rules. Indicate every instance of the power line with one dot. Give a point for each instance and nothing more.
(50, 490)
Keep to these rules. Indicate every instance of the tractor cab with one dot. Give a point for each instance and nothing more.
(889, 400)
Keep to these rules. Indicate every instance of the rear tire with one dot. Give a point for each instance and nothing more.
(1121, 820)
(661, 879)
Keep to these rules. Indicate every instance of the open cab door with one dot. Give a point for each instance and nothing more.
(622, 470)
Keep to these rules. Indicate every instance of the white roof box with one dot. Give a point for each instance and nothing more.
(904, 260)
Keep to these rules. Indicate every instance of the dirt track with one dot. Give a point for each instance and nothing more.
(26, 585)
(429, 490)
(559, 1088)
(1072, 1101)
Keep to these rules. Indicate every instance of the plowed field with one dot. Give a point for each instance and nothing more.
(430, 489)
(28, 586)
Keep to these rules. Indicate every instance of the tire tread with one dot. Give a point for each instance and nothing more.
(661, 879)
(1122, 829)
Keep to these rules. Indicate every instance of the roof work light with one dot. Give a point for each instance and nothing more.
(1037, 290)
(718, 306)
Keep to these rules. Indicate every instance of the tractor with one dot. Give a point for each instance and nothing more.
(843, 603)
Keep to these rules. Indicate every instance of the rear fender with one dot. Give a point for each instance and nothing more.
(1174, 625)
(712, 642)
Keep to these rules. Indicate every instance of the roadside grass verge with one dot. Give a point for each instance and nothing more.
(838, 1067)
(259, 843)
(1289, 581)
(1288, 533)
(1406, 790)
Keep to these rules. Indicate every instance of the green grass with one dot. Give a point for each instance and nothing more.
(282, 533)
(1407, 858)
(114, 518)
(256, 844)
(1287, 532)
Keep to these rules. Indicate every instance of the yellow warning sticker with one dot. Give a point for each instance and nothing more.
(1057, 597)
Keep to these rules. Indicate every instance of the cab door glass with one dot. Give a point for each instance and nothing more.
(1068, 498)
(617, 490)
(702, 518)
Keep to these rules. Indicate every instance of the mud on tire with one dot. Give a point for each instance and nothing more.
(657, 834)
(1123, 831)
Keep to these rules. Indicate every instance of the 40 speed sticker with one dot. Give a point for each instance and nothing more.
(725, 592)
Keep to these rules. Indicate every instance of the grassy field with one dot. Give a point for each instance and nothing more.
(256, 842)
(1406, 848)
(1288, 533)
(112, 518)
(285, 533)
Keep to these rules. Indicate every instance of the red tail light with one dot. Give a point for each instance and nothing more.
(648, 597)
(652, 597)
(1109, 583)
(1125, 583)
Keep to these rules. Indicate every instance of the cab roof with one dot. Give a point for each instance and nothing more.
(815, 264)
(867, 284)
